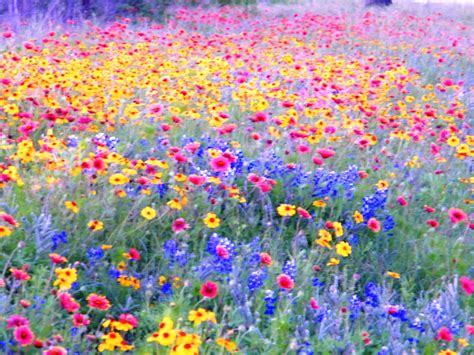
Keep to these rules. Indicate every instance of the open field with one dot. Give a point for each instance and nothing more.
(260, 180)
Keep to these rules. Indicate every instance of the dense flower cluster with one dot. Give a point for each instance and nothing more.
(238, 181)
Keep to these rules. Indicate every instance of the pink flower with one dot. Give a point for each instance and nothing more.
(457, 215)
(285, 281)
(467, 285)
(196, 179)
(303, 213)
(80, 320)
(222, 252)
(303, 149)
(55, 350)
(19, 274)
(402, 201)
(179, 225)
(220, 164)
(317, 161)
(470, 329)
(68, 302)
(128, 319)
(313, 304)
(325, 153)
(373, 225)
(16, 320)
(23, 335)
(444, 334)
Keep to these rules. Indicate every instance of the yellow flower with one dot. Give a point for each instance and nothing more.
(285, 210)
(338, 230)
(175, 204)
(166, 324)
(65, 278)
(447, 352)
(106, 246)
(319, 203)
(198, 316)
(358, 218)
(71, 205)
(343, 249)
(382, 185)
(393, 274)
(12, 109)
(333, 262)
(324, 239)
(462, 342)
(180, 177)
(148, 213)
(227, 344)
(212, 221)
(95, 225)
(5, 231)
(453, 141)
(118, 179)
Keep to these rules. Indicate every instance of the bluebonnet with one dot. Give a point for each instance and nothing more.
(73, 331)
(72, 142)
(270, 301)
(58, 239)
(217, 263)
(389, 223)
(372, 203)
(329, 183)
(256, 279)
(95, 254)
(114, 273)
(371, 294)
(106, 140)
(162, 189)
(316, 282)
(418, 325)
(289, 268)
(167, 289)
(354, 306)
(175, 255)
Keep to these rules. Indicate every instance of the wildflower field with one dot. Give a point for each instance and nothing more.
(268, 180)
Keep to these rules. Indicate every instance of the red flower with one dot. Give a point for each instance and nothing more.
(266, 259)
(57, 259)
(457, 215)
(133, 254)
(467, 285)
(444, 334)
(98, 302)
(209, 289)
(429, 209)
(433, 223)
(285, 281)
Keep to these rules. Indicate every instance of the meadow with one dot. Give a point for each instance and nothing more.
(263, 180)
